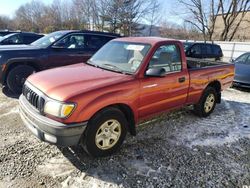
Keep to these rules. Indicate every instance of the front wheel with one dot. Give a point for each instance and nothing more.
(105, 132)
(17, 76)
(207, 102)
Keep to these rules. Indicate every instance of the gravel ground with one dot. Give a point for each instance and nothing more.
(176, 150)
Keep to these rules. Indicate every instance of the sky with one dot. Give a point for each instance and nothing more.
(8, 7)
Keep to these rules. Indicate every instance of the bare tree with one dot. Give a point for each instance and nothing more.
(124, 16)
(5, 22)
(154, 15)
(29, 15)
(187, 31)
(232, 16)
(204, 17)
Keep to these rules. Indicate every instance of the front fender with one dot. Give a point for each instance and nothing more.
(128, 98)
(18, 61)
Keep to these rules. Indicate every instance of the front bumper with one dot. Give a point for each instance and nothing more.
(47, 129)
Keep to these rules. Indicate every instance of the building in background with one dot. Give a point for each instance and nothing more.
(241, 34)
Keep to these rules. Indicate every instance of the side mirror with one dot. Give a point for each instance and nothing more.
(58, 45)
(155, 72)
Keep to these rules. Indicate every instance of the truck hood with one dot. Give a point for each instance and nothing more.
(17, 47)
(66, 82)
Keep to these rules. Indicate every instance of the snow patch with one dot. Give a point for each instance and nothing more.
(12, 111)
(229, 123)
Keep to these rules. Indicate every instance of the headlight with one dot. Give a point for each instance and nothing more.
(58, 109)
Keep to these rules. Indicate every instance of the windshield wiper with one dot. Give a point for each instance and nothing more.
(113, 66)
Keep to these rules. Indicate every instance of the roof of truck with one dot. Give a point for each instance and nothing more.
(147, 40)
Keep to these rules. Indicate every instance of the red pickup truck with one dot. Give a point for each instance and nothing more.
(126, 81)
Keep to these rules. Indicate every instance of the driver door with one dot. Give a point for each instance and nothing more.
(69, 50)
(158, 94)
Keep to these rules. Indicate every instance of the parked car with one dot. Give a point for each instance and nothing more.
(57, 49)
(6, 32)
(242, 71)
(126, 81)
(203, 51)
(19, 38)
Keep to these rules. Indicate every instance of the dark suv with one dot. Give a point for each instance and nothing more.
(57, 49)
(19, 38)
(203, 51)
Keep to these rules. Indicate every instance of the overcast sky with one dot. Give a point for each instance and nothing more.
(8, 7)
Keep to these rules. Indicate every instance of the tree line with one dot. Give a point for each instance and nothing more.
(201, 18)
(117, 16)
(216, 19)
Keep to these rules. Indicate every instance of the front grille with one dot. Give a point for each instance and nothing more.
(33, 98)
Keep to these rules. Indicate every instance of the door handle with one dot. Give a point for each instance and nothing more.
(182, 79)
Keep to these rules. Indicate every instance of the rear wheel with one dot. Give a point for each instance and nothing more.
(105, 132)
(17, 77)
(207, 103)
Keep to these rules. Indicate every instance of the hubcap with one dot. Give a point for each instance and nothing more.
(209, 103)
(108, 134)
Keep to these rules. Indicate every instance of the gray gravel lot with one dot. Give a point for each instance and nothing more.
(176, 150)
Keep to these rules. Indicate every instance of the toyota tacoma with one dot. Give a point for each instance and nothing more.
(128, 80)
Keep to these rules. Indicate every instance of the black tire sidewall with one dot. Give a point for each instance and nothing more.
(23, 71)
(93, 126)
(199, 108)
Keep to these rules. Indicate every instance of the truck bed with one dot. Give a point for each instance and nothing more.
(194, 63)
(203, 72)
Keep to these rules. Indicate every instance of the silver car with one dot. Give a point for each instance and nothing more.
(242, 71)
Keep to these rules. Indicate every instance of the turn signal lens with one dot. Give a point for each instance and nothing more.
(67, 109)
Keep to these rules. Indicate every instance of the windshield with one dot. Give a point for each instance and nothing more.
(122, 57)
(47, 40)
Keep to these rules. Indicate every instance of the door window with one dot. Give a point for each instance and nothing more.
(76, 41)
(217, 50)
(15, 39)
(207, 49)
(167, 57)
(27, 39)
(95, 42)
(196, 50)
(242, 59)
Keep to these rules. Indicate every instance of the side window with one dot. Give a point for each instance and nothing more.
(208, 48)
(16, 39)
(248, 61)
(27, 39)
(217, 50)
(95, 42)
(242, 59)
(75, 41)
(167, 57)
(196, 50)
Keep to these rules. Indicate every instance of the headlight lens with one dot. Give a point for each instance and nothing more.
(58, 109)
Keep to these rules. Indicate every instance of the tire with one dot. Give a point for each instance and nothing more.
(207, 102)
(97, 139)
(17, 76)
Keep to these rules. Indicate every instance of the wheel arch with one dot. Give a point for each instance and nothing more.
(127, 111)
(12, 64)
(217, 86)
